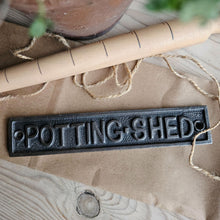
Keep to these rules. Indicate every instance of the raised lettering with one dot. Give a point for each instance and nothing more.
(114, 131)
(171, 129)
(78, 135)
(88, 133)
(47, 135)
(98, 133)
(189, 128)
(62, 129)
(31, 132)
(155, 130)
(139, 127)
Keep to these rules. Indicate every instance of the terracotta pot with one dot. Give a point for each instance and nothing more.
(78, 18)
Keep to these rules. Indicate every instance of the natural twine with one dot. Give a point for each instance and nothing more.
(9, 97)
(18, 53)
(126, 86)
(199, 169)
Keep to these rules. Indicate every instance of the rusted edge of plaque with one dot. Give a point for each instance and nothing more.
(81, 132)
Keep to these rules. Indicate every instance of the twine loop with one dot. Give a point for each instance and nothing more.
(125, 86)
(19, 53)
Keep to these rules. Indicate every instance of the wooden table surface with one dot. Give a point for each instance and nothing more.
(27, 194)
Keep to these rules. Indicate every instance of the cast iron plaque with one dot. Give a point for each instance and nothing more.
(107, 130)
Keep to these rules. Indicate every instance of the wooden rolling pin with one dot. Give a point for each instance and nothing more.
(138, 44)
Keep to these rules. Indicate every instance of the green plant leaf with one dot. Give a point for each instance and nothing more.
(159, 5)
(38, 27)
(203, 9)
(188, 9)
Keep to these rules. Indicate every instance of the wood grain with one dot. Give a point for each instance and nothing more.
(30, 194)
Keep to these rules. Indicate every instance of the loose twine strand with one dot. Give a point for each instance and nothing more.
(9, 97)
(126, 86)
(19, 53)
(191, 163)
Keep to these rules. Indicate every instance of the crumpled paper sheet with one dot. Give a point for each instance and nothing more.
(159, 176)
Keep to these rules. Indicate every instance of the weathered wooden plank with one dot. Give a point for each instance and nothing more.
(30, 194)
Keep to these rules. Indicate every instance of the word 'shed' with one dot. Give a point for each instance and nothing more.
(107, 130)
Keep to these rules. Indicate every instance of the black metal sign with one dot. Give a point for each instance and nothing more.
(107, 130)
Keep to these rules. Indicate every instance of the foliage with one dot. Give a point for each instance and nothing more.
(188, 9)
(41, 23)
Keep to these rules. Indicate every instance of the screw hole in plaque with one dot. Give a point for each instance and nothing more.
(199, 125)
(19, 135)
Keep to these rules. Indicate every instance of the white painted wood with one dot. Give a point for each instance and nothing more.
(207, 53)
(30, 194)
